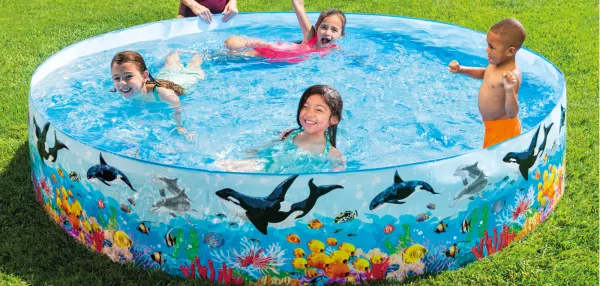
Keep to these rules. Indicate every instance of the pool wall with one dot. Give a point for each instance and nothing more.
(387, 223)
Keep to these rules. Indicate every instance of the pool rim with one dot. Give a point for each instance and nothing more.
(558, 101)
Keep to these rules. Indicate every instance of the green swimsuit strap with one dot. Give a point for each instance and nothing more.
(327, 143)
(293, 134)
(155, 92)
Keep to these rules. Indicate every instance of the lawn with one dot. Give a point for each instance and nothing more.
(563, 250)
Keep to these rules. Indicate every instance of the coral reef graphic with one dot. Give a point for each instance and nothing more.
(334, 243)
(252, 258)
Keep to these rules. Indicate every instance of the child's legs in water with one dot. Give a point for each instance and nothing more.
(237, 43)
(195, 63)
(173, 60)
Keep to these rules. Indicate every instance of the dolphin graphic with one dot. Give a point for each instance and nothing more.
(41, 136)
(398, 191)
(177, 204)
(464, 171)
(472, 189)
(172, 185)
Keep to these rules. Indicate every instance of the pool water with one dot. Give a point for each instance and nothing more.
(401, 104)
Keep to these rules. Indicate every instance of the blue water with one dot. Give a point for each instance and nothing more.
(401, 104)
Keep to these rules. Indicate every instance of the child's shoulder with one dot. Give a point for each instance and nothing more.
(334, 152)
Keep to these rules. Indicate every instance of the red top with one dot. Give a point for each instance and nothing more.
(215, 7)
(292, 53)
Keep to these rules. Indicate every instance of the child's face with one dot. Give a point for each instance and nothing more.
(315, 116)
(329, 31)
(498, 51)
(127, 79)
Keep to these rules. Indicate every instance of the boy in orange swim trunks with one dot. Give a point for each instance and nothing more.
(499, 92)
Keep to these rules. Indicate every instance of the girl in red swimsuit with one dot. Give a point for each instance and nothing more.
(321, 38)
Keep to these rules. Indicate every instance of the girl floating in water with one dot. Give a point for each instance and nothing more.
(133, 81)
(311, 146)
(321, 38)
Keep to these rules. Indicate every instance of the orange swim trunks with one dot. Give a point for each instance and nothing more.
(497, 131)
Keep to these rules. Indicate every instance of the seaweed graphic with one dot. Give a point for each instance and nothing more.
(245, 276)
(194, 241)
(390, 247)
(178, 232)
(404, 240)
(484, 218)
(102, 221)
(112, 221)
(474, 220)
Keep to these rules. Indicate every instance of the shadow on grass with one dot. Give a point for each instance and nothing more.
(35, 249)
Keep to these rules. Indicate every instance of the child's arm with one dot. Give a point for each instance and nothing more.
(169, 96)
(511, 81)
(282, 136)
(338, 161)
(303, 21)
(470, 71)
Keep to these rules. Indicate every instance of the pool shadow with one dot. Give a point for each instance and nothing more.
(36, 250)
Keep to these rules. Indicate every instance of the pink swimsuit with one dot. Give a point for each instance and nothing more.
(292, 53)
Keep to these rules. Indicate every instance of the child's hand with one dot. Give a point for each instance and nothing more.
(509, 80)
(454, 67)
(191, 137)
(181, 130)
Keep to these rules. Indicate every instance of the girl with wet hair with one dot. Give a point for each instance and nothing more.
(311, 146)
(321, 38)
(132, 80)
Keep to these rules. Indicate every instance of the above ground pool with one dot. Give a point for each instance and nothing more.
(419, 195)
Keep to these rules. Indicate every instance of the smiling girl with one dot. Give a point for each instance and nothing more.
(321, 38)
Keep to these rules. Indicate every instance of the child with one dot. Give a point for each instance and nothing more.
(321, 38)
(312, 144)
(133, 81)
(498, 94)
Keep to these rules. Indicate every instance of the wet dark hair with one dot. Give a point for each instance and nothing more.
(332, 12)
(333, 100)
(137, 59)
(511, 31)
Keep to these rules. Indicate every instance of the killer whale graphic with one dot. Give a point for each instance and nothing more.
(526, 159)
(264, 210)
(41, 135)
(542, 147)
(104, 172)
(562, 117)
(398, 191)
(315, 193)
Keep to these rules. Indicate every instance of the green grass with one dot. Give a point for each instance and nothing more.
(563, 250)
